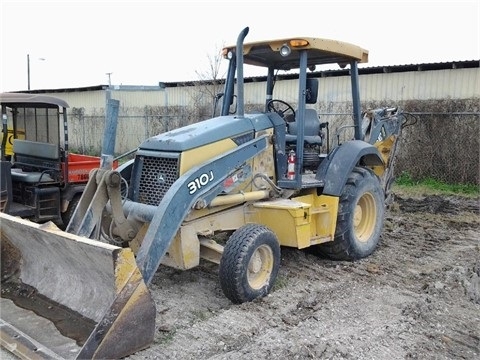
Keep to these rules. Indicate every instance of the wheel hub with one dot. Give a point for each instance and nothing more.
(365, 217)
(255, 263)
(260, 267)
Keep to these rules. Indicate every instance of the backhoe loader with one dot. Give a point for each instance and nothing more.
(267, 179)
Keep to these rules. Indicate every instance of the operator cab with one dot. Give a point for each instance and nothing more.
(312, 125)
(313, 129)
(304, 131)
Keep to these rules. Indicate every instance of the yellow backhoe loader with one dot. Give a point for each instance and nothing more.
(268, 179)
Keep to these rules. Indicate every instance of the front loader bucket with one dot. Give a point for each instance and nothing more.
(65, 296)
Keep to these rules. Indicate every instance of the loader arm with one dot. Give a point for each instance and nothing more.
(90, 207)
(204, 181)
(103, 186)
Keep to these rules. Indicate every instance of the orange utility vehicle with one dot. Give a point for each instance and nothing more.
(40, 180)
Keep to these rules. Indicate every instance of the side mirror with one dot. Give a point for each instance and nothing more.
(312, 91)
(216, 99)
(233, 103)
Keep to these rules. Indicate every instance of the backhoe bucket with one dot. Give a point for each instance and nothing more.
(69, 297)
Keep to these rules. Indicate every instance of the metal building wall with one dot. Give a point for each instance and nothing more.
(148, 110)
(138, 98)
(400, 86)
(82, 99)
(422, 85)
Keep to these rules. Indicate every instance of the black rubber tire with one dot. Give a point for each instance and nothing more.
(72, 205)
(360, 218)
(249, 264)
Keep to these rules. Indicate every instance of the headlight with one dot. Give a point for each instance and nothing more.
(285, 50)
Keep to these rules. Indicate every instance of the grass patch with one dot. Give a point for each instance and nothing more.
(280, 283)
(167, 337)
(201, 315)
(432, 186)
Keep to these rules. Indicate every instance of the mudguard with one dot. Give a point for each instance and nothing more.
(337, 166)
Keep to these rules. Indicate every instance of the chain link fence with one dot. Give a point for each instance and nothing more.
(443, 142)
(442, 146)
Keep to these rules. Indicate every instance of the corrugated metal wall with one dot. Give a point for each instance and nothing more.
(422, 85)
(90, 100)
(401, 86)
(147, 111)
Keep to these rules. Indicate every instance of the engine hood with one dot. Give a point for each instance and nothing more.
(206, 132)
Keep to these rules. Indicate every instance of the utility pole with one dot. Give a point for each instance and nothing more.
(109, 79)
(28, 70)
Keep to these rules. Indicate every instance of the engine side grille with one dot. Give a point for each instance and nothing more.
(157, 176)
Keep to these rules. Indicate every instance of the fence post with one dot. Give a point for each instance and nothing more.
(108, 145)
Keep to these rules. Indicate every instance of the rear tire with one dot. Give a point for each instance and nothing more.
(249, 264)
(68, 214)
(360, 218)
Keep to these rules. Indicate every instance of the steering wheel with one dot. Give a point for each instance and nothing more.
(281, 107)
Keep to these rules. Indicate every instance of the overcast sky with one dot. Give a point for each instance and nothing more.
(76, 43)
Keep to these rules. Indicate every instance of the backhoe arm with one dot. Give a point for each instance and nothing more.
(383, 128)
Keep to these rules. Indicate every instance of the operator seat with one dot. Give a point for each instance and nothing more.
(312, 129)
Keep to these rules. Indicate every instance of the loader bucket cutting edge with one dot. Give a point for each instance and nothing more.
(65, 296)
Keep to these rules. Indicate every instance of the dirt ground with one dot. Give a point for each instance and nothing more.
(416, 297)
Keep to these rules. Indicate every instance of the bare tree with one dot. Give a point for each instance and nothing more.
(204, 91)
(213, 78)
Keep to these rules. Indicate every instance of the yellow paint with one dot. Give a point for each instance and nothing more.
(298, 222)
(385, 149)
(184, 252)
(137, 241)
(327, 46)
(200, 213)
(324, 212)
(193, 157)
(264, 162)
(125, 268)
(288, 219)
(9, 144)
(141, 305)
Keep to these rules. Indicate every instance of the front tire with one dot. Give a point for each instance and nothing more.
(360, 218)
(249, 264)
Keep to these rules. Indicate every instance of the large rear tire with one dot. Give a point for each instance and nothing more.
(68, 214)
(250, 263)
(360, 218)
